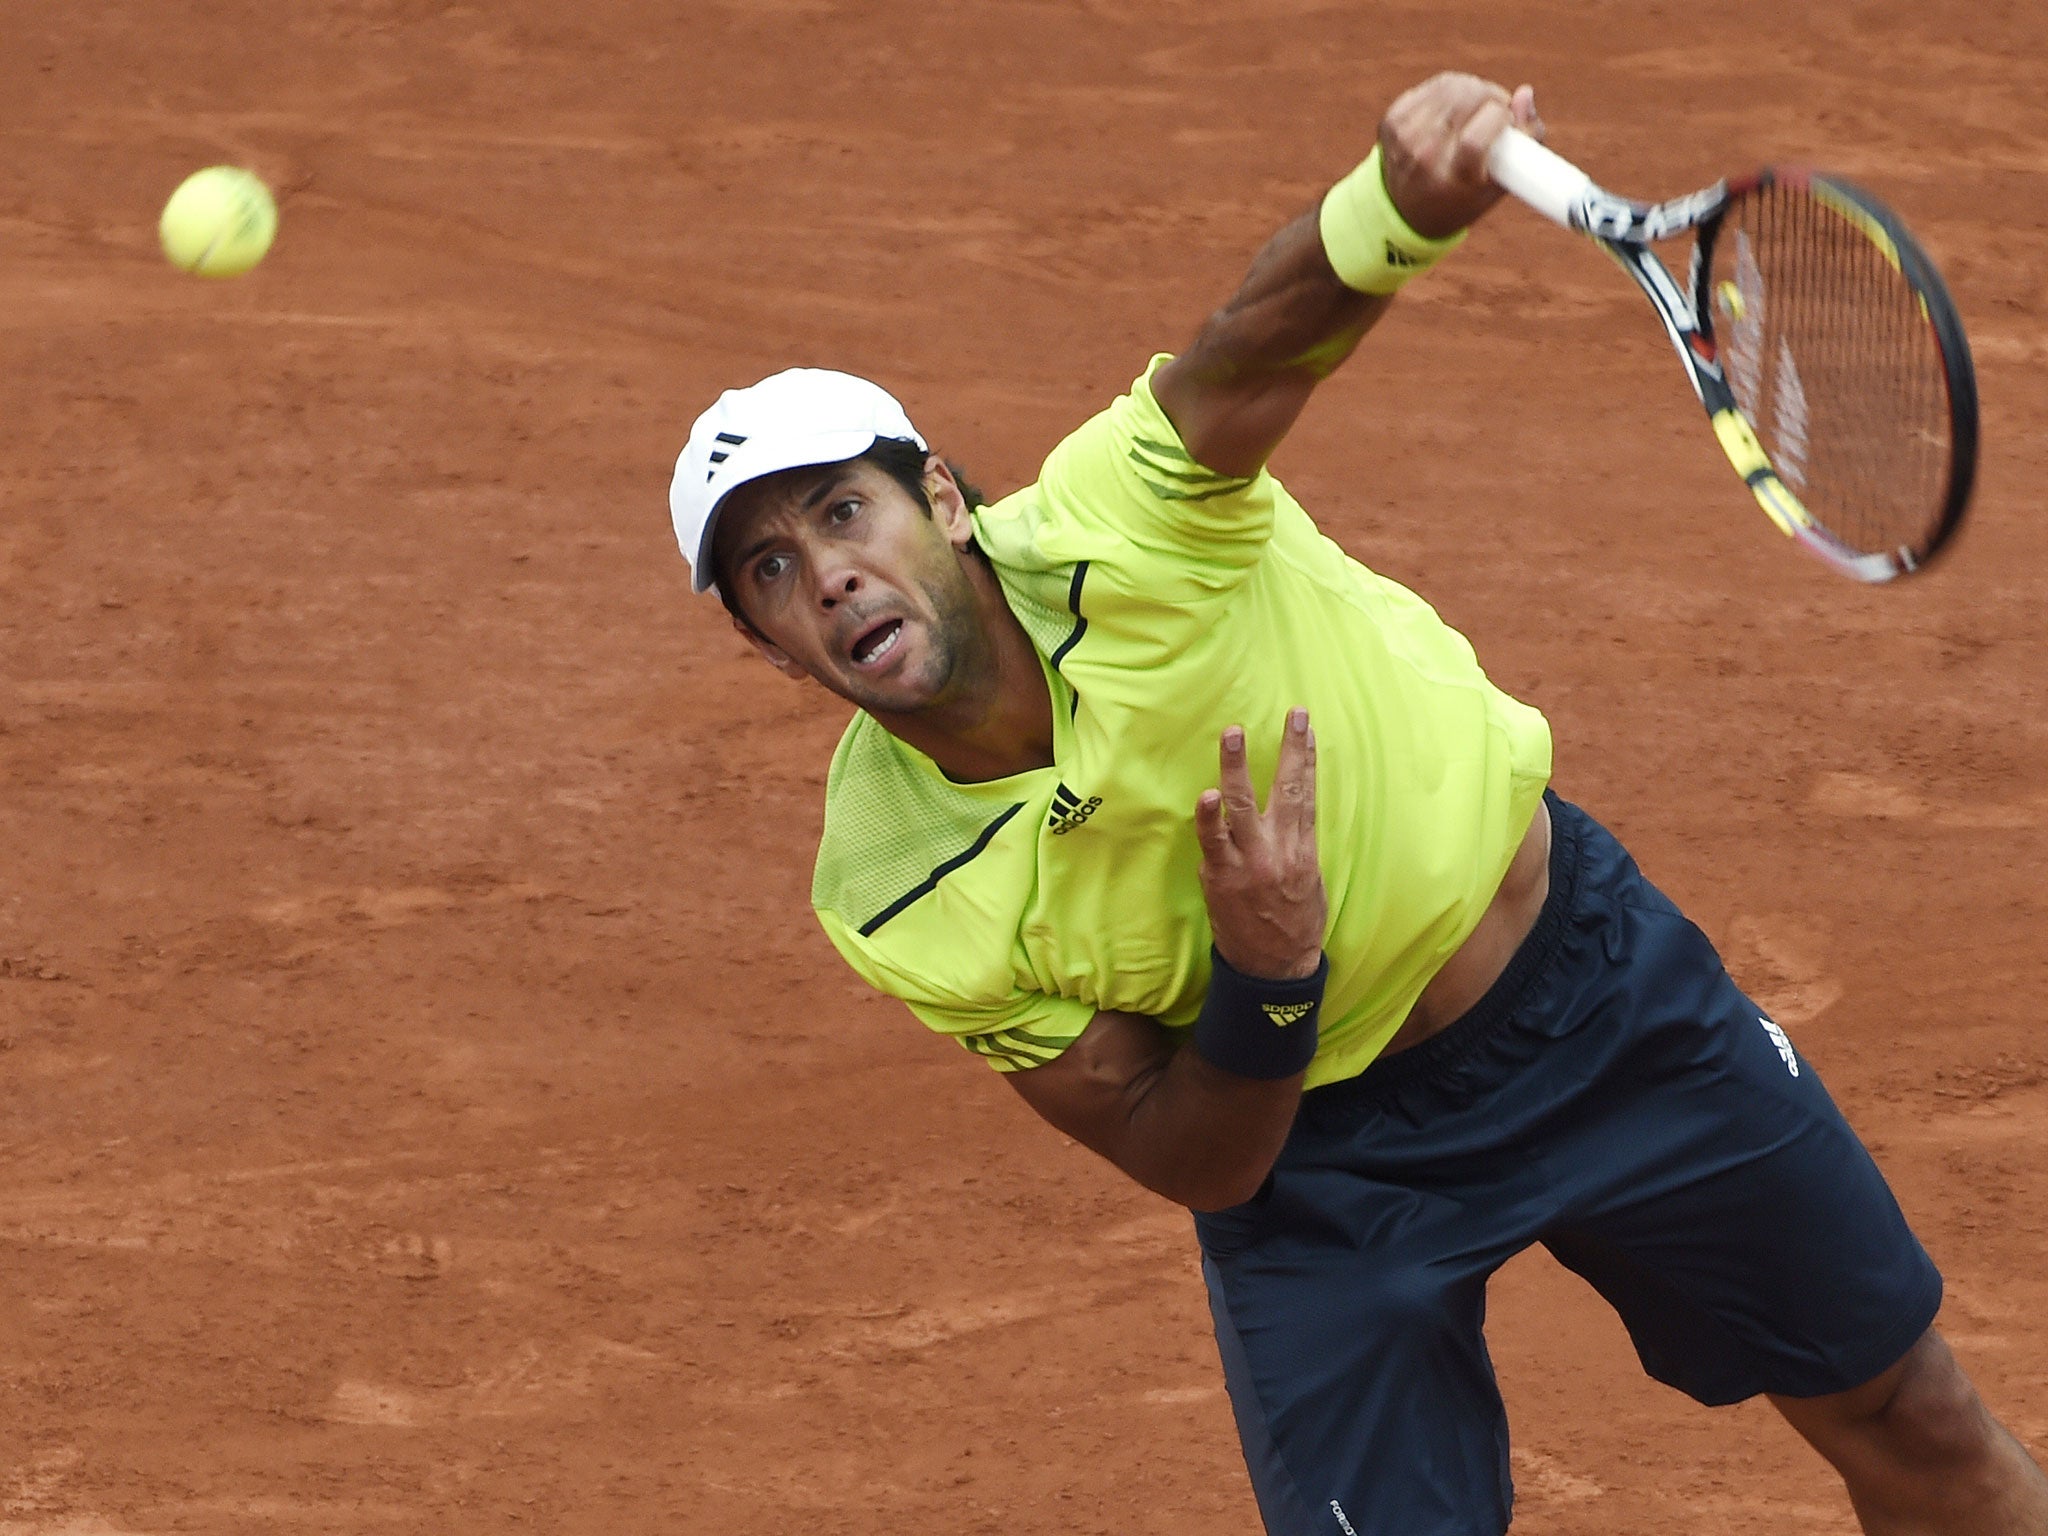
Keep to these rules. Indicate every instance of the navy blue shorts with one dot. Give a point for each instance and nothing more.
(1613, 1097)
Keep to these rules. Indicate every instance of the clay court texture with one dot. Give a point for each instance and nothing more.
(427, 1103)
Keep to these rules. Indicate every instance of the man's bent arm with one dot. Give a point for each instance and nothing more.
(1165, 1115)
(1237, 390)
(1201, 1122)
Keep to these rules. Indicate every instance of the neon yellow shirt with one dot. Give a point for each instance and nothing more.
(1166, 603)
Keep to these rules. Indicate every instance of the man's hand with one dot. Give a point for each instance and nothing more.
(1260, 875)
(1433, 145)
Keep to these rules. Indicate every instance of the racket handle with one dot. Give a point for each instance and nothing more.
(1547, 182)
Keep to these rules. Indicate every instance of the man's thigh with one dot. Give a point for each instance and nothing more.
(1358, 1374)
(1727, 1210)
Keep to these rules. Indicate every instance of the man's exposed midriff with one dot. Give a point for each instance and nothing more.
(1510, 916)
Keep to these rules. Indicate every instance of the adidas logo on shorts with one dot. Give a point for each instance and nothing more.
(1784, 1045)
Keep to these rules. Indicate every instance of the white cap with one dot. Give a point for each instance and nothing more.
(798, 417)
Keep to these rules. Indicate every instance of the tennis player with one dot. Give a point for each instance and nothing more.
(1409, 1018)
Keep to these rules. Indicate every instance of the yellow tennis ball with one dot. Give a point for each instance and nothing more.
(219, 222)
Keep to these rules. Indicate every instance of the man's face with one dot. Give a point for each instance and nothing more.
(848, 579)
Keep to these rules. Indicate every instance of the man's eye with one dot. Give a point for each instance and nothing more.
(768, 567)
(842, 511)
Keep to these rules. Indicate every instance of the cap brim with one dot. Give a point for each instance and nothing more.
(748, 464)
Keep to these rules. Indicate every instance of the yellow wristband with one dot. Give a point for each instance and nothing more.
(1370, 246)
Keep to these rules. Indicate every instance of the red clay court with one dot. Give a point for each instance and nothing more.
(429, 1105)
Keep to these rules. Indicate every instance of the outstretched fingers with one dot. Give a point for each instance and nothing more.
(1228, 818)
(1293, 803)
(1234, 781)
(1261, 876)
(1211, 829)
(1292, 809)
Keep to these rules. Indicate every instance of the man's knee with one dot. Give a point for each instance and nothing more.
(1935, 1417)
(1922, 1414)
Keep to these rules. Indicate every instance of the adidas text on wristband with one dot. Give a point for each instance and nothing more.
(1254, 1027)
(1370, 246)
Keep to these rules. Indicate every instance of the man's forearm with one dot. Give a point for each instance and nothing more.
(1312, 292)
(1203, 1136)
(1290, 313)
(1177, 1123)
(1320, 284)
(1238, 388)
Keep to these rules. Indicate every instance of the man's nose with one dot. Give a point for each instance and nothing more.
(837, 584)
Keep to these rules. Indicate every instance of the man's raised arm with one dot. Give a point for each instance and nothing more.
(1324, 279)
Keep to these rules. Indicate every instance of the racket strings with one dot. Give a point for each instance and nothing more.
(1831, 356)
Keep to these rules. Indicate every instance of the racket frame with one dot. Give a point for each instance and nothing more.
(1567, 196)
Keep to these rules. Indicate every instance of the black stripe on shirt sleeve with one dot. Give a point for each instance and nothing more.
(931, 881)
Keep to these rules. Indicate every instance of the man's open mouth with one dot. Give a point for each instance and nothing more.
(877, 642)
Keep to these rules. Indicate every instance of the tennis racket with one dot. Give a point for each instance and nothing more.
(1818, 336)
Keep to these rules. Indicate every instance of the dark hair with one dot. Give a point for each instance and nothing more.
(902, 461)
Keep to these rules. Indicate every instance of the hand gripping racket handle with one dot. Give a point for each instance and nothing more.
(1547, 182)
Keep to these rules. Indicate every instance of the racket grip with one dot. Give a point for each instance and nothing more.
(1547, 182)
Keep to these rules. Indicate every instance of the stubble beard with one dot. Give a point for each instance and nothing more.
(955, 651)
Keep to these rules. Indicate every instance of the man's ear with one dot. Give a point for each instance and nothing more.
(949, 508)
(770, 654)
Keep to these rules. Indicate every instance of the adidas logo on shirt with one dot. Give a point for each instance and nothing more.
(1069, 810)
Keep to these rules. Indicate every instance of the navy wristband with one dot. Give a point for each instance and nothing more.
(1254, 1027)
